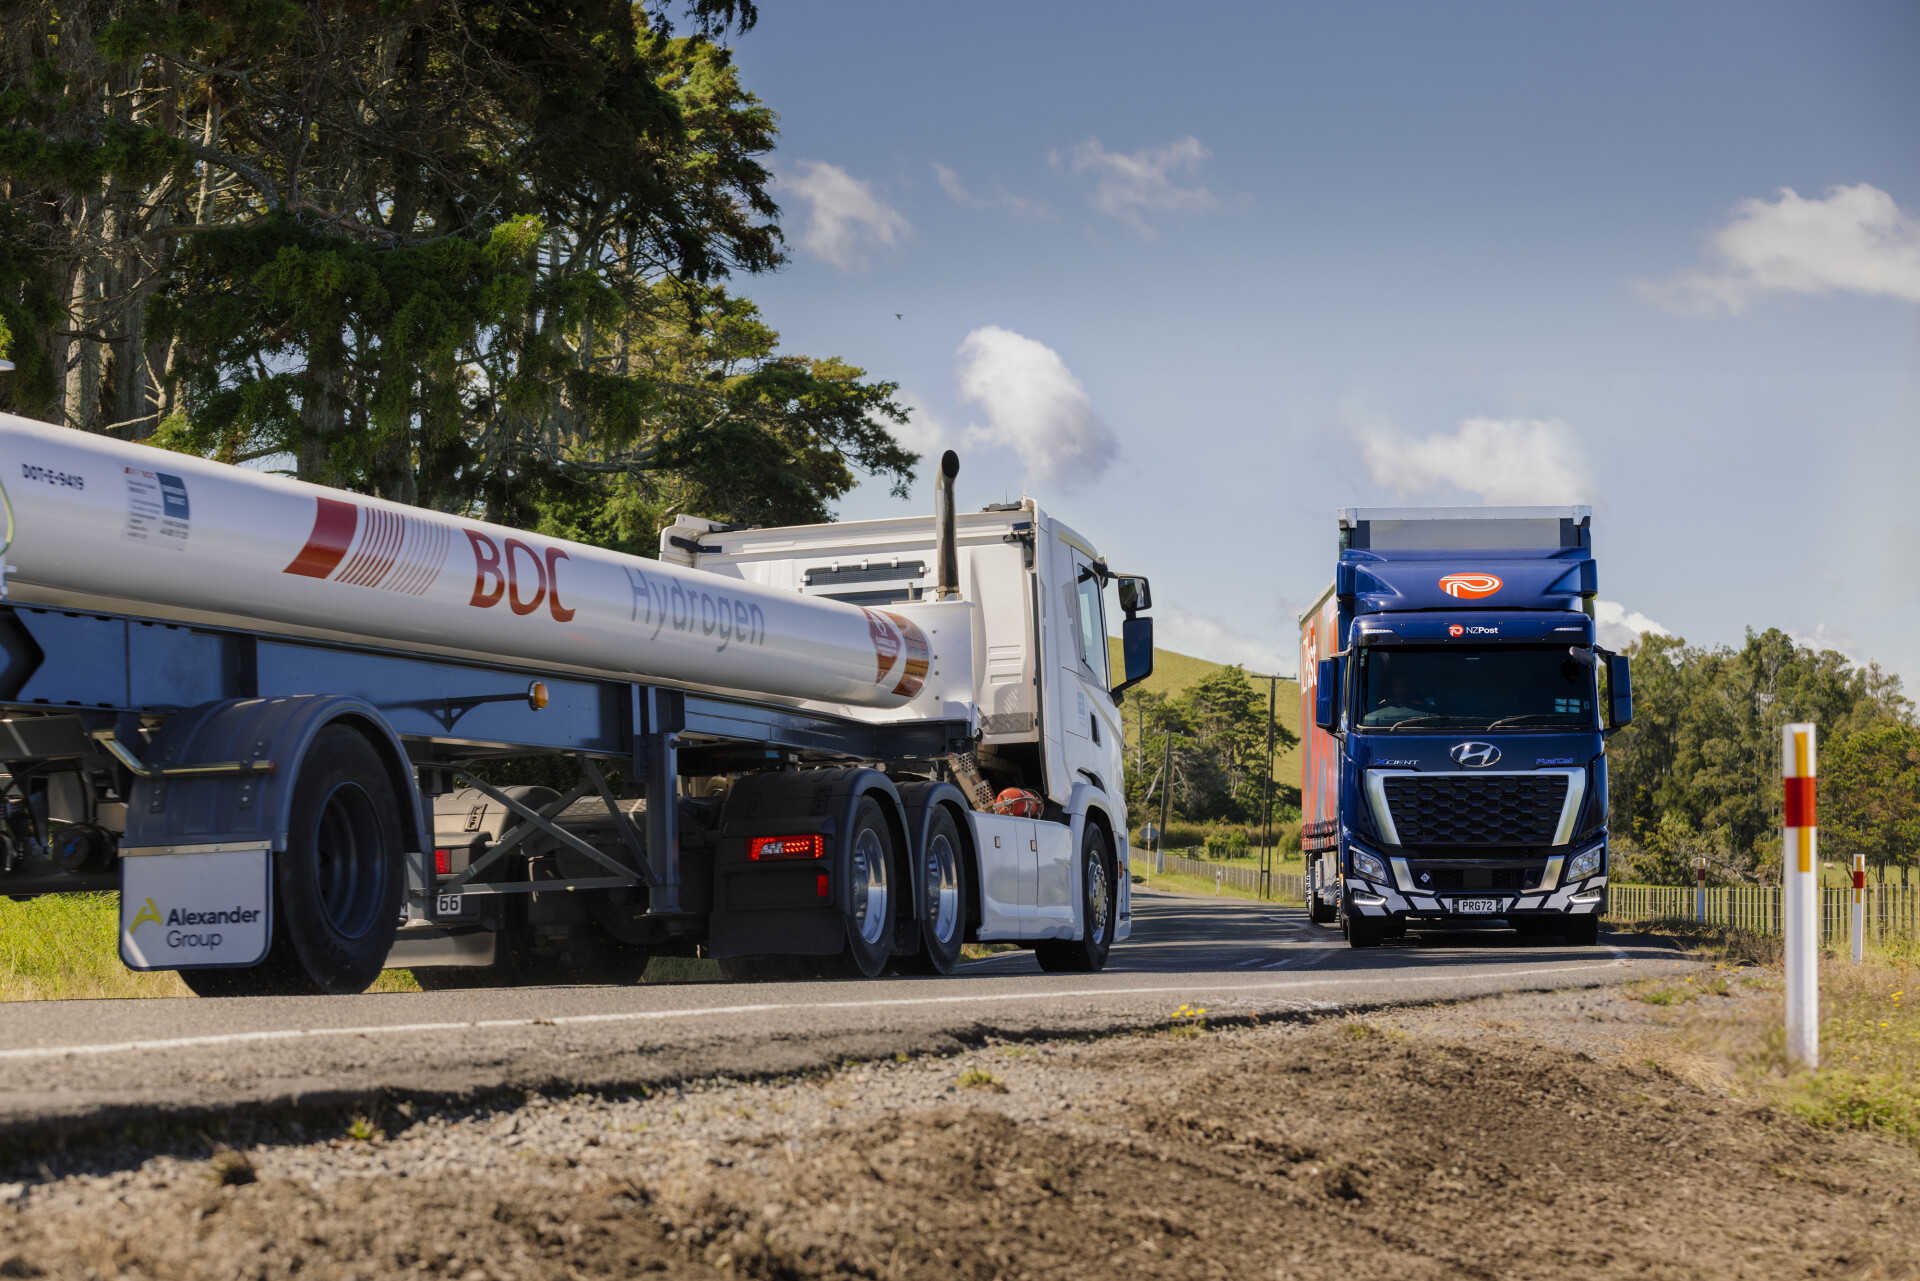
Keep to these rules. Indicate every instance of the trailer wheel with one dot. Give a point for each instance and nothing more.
(870, 897)
(943, 918)
(338, 886)
(1317, 910)
(1097, 906)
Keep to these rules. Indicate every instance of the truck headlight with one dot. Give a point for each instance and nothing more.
(1369, 866)
(1586, 863)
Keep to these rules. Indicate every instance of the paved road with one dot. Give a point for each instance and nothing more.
(90, 1060)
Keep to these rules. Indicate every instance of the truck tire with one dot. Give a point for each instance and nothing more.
(872, 895)
(337, 887)
(943, 918)
(1366, 931)
(1581, 931)
(1088, 954)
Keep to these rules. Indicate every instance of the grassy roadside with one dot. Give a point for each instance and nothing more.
(1869, 1073)
(1175, 883)
(65, 947)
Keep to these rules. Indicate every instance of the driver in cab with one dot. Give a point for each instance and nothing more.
(1399, 702)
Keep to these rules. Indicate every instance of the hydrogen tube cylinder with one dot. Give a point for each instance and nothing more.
(122, 526)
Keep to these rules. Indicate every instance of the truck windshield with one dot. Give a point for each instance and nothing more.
(1508, 687)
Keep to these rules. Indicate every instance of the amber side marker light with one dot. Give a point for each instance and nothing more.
(766, 848)
(537, 695)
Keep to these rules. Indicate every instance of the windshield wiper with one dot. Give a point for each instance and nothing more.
(1536, 716)
(1435, 720)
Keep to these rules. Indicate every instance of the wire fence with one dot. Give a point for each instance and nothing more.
(1892, 911)
(1288, 886)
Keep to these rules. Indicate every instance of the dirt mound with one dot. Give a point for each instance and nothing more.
(1349, 1150)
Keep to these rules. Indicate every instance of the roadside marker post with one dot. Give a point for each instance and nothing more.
(1859, 908)
(1799, 874)
(1700, 889)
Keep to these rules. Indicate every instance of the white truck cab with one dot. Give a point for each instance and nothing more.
(1020, 647)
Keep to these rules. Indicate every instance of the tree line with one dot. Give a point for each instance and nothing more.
(1216, 771)
(1697, 774)
(469, 256)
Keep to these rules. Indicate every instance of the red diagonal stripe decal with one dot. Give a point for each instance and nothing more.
(333, 526)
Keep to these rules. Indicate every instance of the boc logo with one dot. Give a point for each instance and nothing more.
(1469, 586)
(1475, 755)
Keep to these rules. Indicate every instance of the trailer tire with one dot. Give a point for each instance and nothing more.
(337, 887)
(1097, 907)
(1317, 910)
(339, 883)
(943, 917)
(872, 894)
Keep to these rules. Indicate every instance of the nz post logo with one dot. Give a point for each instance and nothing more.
(1469, 586)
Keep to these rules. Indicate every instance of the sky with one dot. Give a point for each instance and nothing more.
(1196, 276)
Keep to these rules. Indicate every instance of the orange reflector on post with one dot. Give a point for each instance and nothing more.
(763, 848)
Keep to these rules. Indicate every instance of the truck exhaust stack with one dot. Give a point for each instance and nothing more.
(947, 556)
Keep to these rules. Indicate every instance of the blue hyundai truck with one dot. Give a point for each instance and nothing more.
(1456, 772)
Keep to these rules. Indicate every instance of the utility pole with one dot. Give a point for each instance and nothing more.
(1166, 787)
(1266, 820)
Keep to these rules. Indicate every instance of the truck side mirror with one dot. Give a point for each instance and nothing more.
(1135, 594)
(1326, 695)
(1619, 692)
(1136, 652)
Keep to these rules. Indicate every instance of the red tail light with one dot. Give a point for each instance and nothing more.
(762, 848)
(443, 862)
(820, 886)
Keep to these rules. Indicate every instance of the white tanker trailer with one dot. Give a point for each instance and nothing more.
(273, 717)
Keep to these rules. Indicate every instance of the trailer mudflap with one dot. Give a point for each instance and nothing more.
(195, 907)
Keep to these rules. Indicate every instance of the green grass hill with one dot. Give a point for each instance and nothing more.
(1174, 672)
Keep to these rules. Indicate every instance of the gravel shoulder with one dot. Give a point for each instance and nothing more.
(1543, 1134)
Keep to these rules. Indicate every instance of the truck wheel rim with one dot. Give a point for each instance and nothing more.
(869, 885)
(348, 860)
(943, 888)
(1096, 898)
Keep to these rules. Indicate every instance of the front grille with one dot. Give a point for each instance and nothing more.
(1477, 878)
(1482, 809)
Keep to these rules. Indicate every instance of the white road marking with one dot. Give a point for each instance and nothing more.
(644, 1016)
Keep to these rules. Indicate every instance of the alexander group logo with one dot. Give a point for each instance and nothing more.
(1469, 586)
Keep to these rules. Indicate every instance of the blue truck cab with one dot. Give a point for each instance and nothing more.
(1456, 772)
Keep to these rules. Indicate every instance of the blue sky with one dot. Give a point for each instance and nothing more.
(1195, 276)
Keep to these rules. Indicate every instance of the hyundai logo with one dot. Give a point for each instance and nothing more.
(1475, 755)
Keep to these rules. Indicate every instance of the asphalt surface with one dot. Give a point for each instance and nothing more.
(96, 1062)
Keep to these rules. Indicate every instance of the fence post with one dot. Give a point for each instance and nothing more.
(1800, 878)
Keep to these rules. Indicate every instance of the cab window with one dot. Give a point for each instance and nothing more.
(1092, 627)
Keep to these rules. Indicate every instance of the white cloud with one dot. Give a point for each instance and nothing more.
(1213, 638)
(1001, 198)
(846, 221)
(924, 433)
(1501, 460)
(1855, 239)
(1823, 638)
(1035, 407)
(1615, 627)
(1132, 184)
